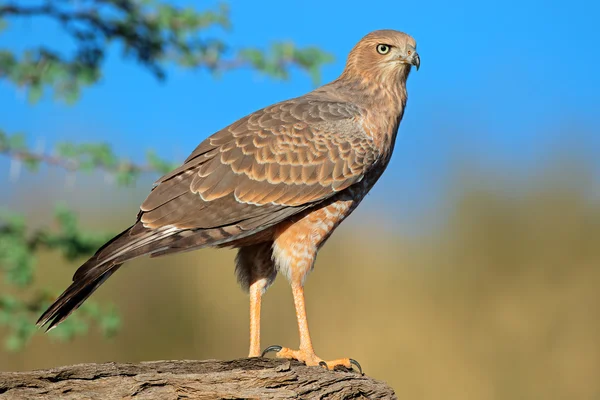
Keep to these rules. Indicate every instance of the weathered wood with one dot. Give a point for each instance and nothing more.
(248, 378)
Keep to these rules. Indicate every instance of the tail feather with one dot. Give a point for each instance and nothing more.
(129, 244)
(75, 295)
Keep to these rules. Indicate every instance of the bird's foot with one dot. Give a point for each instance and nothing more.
(309, 358)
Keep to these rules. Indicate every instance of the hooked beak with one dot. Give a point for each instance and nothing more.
(416, 60)
(412, 57)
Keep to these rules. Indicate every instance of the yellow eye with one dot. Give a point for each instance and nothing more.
(383, 48)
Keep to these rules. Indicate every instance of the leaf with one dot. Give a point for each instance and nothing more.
(8, 303)
(110, 323)
(32, 164)
(66, 150)
(3, 140)
(126, 177)
(161, 166)
(87, 75)
(34, 94)
(16, 141)
(71, 95)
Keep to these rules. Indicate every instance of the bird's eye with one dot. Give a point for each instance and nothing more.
(383, 48)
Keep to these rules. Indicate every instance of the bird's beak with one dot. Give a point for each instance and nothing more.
(411, 57)
(416, 60)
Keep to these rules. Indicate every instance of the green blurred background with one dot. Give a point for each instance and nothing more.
(474, 277)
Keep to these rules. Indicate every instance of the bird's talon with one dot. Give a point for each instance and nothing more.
(269, 349)
(354, 362)
(323, 364)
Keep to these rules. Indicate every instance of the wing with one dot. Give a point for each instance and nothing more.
(265, 167)
(248, 177)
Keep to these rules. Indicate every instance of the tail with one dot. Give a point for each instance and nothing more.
(131, 243)
(75, 295)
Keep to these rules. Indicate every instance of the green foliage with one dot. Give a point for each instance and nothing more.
(17, 314)
(149, 32)
(18, 246)
(85, 157)
(274, 63)
(159, 165)
(17, 262)
(15, 259)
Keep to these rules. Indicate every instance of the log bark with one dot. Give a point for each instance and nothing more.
(248, 378)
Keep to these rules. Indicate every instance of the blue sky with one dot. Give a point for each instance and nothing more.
(500, 81)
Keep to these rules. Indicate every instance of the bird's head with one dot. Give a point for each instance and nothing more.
(383, 56)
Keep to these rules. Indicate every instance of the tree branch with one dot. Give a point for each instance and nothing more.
(153, 33)
(250, 378)
(86, 157)
(70, 164)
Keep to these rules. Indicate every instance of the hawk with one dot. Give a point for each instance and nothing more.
(274, 184)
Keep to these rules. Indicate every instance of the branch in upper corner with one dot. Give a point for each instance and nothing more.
(152, 33)
(248, 378)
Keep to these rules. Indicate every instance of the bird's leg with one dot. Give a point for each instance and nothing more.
(305, 341)
(306, 352)
(256, 291)
(255, 272)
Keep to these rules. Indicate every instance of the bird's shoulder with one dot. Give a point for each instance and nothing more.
(290, 122)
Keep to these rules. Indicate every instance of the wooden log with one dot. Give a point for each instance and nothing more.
(247, 378)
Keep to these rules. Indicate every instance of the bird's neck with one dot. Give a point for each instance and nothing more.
(383, 104)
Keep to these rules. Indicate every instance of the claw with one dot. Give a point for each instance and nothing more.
(323, 364)
(274, 348)
(354, 362)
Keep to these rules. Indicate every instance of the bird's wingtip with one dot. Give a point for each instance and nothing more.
(41, 322)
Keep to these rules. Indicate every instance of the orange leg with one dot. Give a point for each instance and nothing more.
(306, 352)
(305, 341)
(256, 290)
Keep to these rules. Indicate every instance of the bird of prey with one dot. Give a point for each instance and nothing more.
(274, 184)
